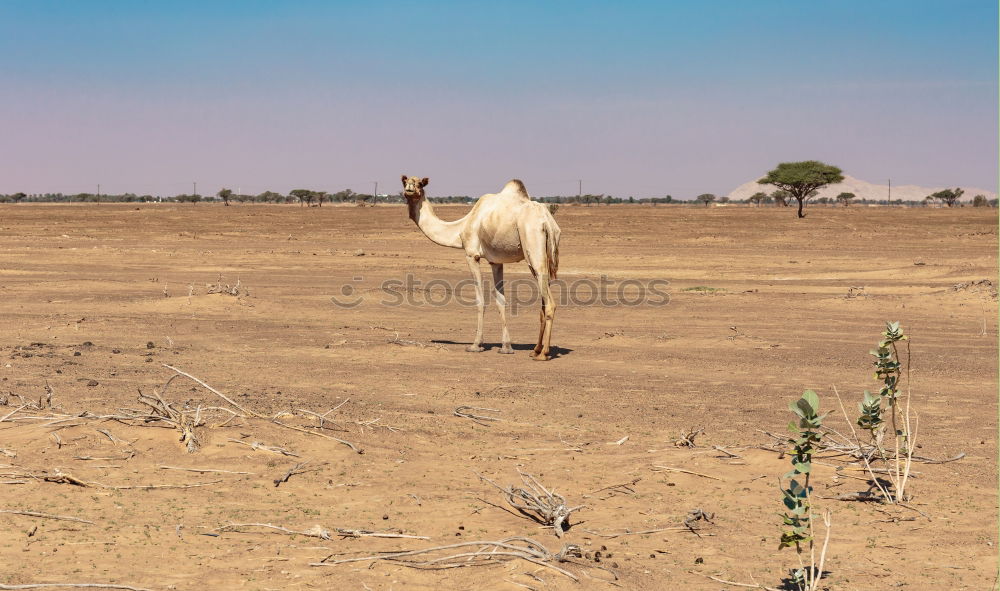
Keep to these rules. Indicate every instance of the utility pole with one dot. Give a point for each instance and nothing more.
(890, 191)
(375, 194)
(579, 188)
(195, 189)
(98, 192)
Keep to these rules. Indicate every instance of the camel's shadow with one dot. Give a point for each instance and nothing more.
(553, 351)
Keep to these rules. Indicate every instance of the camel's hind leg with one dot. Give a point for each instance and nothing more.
(501, 298)
(548, 314)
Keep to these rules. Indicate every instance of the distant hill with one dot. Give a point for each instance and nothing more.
(863, 190)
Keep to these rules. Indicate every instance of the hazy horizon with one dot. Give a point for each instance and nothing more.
(640, 99)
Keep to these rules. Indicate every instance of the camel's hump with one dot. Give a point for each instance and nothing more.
(515, 186)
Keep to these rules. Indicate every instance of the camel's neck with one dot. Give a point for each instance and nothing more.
(438, 230)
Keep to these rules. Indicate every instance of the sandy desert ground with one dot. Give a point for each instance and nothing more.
(97, 299)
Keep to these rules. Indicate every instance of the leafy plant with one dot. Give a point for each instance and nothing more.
(807, 435)
(875, 407)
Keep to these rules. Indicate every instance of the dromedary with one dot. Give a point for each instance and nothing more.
(504, 227)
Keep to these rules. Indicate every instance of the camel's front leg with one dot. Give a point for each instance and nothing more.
(477, 276)
(498, 293)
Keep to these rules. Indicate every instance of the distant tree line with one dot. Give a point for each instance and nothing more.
(314, 198)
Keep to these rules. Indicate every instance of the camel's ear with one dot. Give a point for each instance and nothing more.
(404, 179)
(424, 182)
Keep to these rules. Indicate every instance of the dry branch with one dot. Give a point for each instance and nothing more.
(45, 515)
(687, 438)
(296, 469)
(725, 582)
(273, 449)
(683, 471)
(465, 412)
(317, 531)
(626, 486)
(324, 435)
(202, 470)
(488, 553)
(72, 585)
(537, 503)
(636, 533)
(59, 477)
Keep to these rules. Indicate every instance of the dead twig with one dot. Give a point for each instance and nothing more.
(683, 471)
(296, 469)
(465, 413)
(317, 531)
(625, 486)
(636, 533)
(324, 435)
(72, 585)
(129, 454)
(725, 582)
(273, 449)
(488, 552)
(537, 503)
(694, 516)
(687, 438)
(214, 391)
(725, 451)
(45, 516)
(202, 470)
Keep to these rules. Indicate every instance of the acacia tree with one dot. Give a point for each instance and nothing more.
(225, 195)
(757, 198)
(305, 196)
(845, 198)
(980, 201)
(781, 197)
(705, 198)
(802, 179)
(948, 196)
(17, 197)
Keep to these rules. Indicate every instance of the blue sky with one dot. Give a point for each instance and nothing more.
(635, 98)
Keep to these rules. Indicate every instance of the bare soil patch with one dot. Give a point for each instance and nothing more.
(98, 299)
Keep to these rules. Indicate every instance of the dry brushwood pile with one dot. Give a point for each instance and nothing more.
(162, 428)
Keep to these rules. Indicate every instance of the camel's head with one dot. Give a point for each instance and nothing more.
(413, 188)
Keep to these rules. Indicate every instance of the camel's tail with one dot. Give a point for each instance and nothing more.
(552, 249)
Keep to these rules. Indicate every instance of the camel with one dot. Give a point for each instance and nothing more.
(504, 227)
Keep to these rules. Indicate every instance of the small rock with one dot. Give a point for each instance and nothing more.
(359, 253)
(150, 345)
(699, 560)
(116, 351)
(92, 383)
